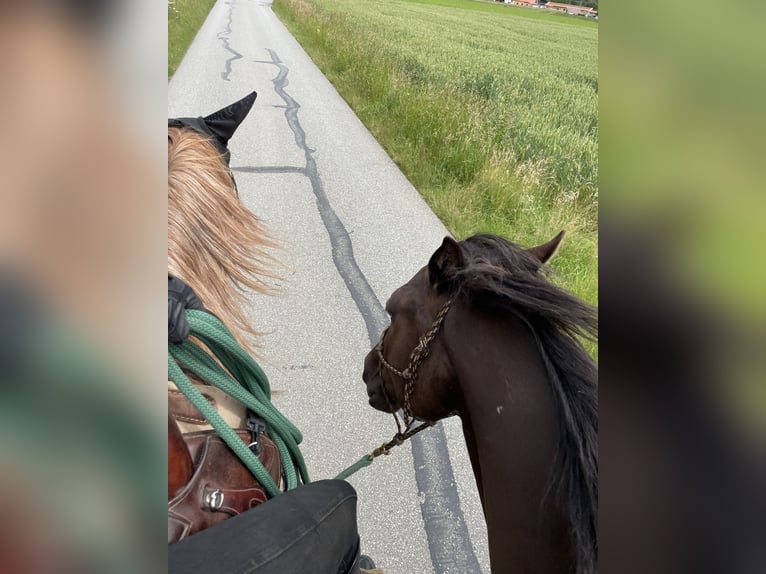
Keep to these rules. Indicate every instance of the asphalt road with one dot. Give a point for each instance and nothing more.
(354, 229)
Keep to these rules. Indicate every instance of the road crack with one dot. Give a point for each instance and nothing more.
(225, 37)
(449, 541)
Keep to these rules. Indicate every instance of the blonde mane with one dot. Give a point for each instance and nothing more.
(215, 244)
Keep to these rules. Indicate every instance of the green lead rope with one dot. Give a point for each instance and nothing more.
(366, 460)
(247, 383)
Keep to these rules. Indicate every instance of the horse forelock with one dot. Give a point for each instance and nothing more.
(500, 276)
(215, 244)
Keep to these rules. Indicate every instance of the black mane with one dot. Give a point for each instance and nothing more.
(500, 276)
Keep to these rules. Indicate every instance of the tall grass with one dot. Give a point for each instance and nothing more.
(184, 19)
(491, 114)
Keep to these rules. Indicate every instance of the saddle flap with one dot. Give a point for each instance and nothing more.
(221, 485)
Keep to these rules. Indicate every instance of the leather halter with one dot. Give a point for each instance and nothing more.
(417, 356)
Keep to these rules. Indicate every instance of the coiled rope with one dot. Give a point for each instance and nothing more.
(244, 381)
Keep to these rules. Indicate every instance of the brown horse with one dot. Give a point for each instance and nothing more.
(481, 333)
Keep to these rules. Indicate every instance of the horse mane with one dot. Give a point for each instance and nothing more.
(215, 244)
(501, 277)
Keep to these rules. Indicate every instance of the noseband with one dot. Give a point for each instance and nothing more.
(417, 356)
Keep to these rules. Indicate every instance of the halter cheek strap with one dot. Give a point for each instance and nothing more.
(417, 356)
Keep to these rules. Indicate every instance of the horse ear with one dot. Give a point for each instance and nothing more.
(225, 121)
(444, 263)
(544, 252)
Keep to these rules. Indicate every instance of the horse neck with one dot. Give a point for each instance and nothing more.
(509, 422)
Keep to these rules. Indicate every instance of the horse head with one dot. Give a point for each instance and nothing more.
(410, 351)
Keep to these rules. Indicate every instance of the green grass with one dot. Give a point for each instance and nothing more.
(490, 111)
(184, 19)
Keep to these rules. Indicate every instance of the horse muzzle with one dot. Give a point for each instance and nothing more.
(378, 398)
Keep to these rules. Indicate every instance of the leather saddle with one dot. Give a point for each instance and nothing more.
(207, 483)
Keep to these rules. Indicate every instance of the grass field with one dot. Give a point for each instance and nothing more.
(491, 111)
(184, 19)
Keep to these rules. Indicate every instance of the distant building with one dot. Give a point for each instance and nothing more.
(522, 2)
(572, 9)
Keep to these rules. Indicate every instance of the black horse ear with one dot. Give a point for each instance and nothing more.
(544, 252)
(444, 263)
(223, 123)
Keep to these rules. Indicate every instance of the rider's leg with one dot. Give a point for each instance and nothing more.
(309, 529)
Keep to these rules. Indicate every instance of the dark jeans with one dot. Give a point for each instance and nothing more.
(309, 529)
